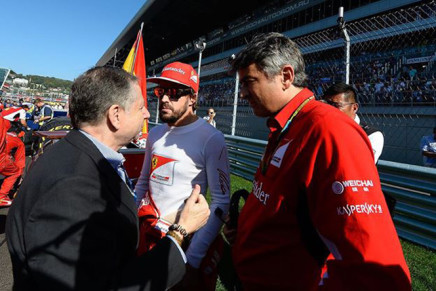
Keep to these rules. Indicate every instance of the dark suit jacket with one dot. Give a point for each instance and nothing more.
(74, 226)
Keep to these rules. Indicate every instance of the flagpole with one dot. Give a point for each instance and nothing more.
(138, 40)
(131, 66)
(137, 45)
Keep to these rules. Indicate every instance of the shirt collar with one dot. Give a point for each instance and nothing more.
(114, 158)
(280, 119)
(357, 119)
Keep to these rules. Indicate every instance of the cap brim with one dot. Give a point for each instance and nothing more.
(163, 80)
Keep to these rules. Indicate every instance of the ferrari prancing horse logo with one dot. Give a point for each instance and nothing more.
(154, 163)
(162, 169)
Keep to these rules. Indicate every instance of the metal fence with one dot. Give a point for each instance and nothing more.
(385, 51)
(403, 127)
(413, 187)
(391, 57)
(392, 66)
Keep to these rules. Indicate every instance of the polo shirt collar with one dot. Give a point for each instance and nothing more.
(280, 119)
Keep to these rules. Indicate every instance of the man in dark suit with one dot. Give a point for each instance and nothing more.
(73, 225)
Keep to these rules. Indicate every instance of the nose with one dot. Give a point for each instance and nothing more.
(145, 113)
(165, 98)
(243, 92)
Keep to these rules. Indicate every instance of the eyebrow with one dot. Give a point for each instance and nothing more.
(247, 77)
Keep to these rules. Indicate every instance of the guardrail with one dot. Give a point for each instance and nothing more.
(414, 187)
(244, 155)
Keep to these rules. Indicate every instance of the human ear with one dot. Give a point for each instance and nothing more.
(287, 76)
(193, 99)
(114, 116)
(355, 107)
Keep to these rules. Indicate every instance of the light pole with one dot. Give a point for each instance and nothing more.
(343, 29)
(235, 99)
(200, 45)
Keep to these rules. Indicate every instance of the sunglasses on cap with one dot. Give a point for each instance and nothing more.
(172, 93)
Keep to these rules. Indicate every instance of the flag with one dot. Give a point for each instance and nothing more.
(135, 65)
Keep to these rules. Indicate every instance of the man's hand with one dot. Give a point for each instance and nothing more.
(195, 212)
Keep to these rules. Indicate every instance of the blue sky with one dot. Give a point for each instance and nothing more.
(60, 38)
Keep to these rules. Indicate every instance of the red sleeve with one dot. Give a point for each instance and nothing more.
(13, 142)
(348, 209)
(4, 126)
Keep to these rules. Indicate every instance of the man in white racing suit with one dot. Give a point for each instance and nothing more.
(183, 152)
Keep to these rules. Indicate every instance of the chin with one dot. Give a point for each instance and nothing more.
(168, 119)
(261, 113)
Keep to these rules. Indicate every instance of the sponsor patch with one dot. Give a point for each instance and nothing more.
(145, 201)
(193, 77)
(224, 182)
(178, 70)
(162, 169)
(366, 208)
(259, 193)
(278, 155)
(339, 187)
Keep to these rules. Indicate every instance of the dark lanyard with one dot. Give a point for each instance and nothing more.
(266, 160)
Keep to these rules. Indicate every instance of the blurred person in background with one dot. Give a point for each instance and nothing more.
(15, 114)
(8, 166)
(16, 150)
(428, 149)
(7, 103)
(210, 117)
(42, 112)
(344, 98)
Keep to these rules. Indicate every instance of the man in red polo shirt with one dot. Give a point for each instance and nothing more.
(8, 167)
(316, 190)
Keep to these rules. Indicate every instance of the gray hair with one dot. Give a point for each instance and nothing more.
(271, 52)
(96, 90)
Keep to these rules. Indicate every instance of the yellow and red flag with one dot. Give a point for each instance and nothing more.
(135, 65)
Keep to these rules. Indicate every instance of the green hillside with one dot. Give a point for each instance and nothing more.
(46, 82)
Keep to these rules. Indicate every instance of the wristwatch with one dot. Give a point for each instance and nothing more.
(182, 241)
(180, 229)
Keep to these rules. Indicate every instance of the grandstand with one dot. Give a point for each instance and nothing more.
(3, 76)
(392, 56)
